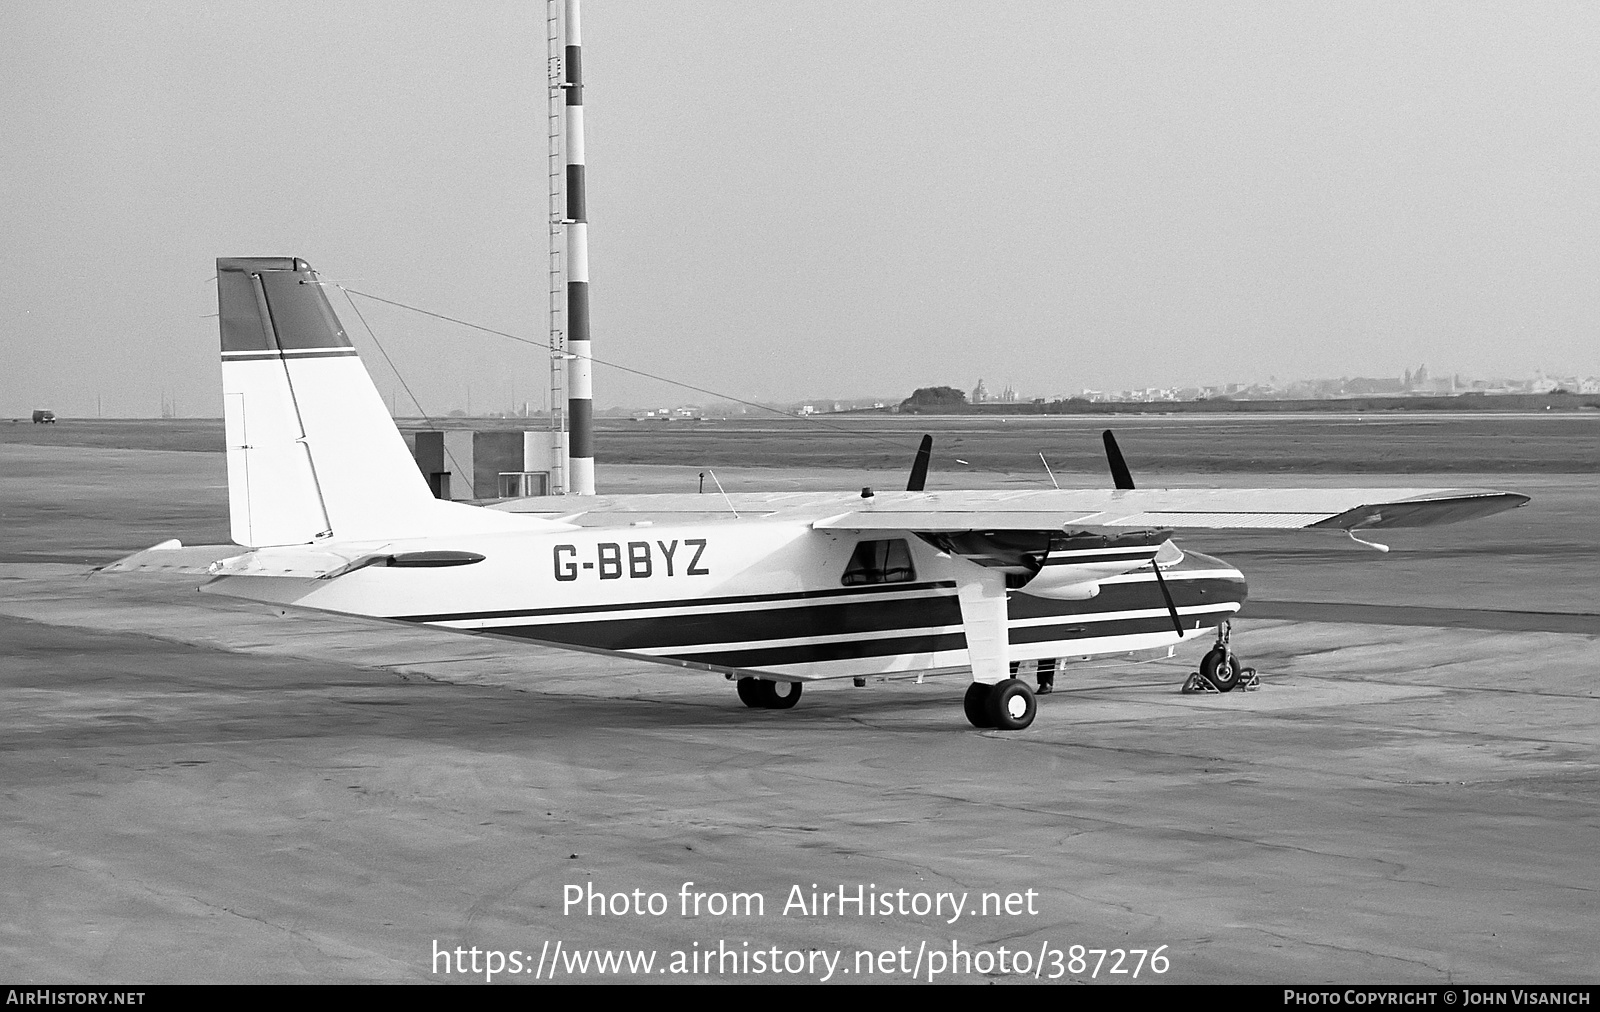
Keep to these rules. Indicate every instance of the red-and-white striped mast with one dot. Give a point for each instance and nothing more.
(580, 383)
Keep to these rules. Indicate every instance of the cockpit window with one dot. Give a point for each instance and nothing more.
(879, 562)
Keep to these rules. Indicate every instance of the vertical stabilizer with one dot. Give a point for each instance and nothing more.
(312, 452)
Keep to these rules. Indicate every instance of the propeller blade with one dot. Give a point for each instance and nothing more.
(1166, 595)
(1120, 475)
(919, 467)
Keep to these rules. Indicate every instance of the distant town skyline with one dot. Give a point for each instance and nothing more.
(1421, 381)
(1418, 381)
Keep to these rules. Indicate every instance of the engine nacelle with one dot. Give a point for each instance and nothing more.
(1048, 584)
(1076, 575)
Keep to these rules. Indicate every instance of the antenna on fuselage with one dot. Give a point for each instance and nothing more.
(724, 493)
(1047, 470)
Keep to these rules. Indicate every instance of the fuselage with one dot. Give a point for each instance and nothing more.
(768, 596)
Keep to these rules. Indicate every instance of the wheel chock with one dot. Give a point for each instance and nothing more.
(1196, 683)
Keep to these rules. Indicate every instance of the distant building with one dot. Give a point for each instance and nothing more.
(686, 412)
(1364, 386)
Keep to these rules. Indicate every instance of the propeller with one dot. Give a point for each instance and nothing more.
(1120, 475)
(1166, 595)
(1123, 479)
(919, 467)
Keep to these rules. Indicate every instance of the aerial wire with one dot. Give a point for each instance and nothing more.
(423, 411)
(614, 365)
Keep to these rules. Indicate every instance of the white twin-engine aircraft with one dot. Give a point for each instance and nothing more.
(773, 590)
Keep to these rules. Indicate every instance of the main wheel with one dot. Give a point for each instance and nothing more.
(976, 704)
(750, 693)
(1221, 668)
(1011, 705)
(764, 695)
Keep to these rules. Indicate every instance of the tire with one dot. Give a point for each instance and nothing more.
(1221, 669)
(782, 695)
(1011, 705)
(760, 694)
(976, 704)
(750, 693)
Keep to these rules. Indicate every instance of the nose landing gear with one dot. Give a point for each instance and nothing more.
(1220, 670)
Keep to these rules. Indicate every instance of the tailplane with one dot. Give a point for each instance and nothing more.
(313, 455)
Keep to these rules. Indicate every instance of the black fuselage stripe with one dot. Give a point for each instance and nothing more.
(685, 602)
(844, 619)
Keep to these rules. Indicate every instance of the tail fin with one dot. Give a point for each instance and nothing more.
(312, 452)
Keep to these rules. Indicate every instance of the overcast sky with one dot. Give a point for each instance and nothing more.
(810, 198)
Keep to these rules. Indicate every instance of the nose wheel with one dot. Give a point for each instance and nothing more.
(1220, 670)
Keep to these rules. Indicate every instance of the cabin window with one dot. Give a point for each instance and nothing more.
(879, 562)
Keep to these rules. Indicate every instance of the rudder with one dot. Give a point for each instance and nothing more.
(312, 452)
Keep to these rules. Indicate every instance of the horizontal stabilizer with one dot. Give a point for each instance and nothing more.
(326, 565)
(172, 557)
(226, 560)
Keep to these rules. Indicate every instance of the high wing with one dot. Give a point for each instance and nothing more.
(1086, 512)
(1053, 510)
(1058, 543)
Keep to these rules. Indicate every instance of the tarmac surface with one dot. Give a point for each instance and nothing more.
(198, 789)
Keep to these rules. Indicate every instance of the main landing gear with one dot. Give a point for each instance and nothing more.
(1007, 705)
(760, 694)
(1220, 670)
